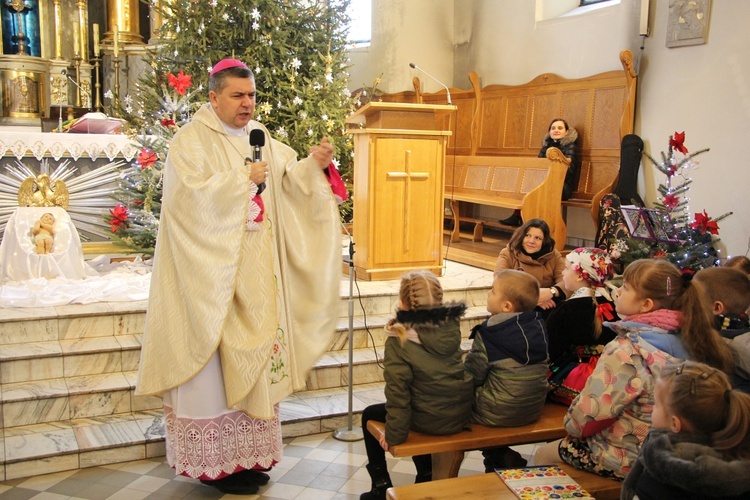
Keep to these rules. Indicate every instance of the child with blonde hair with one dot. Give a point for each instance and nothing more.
(667, 320)
(699, 446)
(426, 388)
(508, 361)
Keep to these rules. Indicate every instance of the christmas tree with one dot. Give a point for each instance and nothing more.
(694, 249)
(297, 51)
(135, 220)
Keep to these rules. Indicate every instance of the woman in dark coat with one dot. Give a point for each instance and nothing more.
(560, 136)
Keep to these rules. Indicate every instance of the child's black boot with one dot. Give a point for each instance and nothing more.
(381, 481)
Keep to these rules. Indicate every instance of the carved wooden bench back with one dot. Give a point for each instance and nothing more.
(512, 120)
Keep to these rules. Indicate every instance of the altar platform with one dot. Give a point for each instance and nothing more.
(68, 373)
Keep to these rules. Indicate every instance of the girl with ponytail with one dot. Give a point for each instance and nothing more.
(699, 446)
(426, 388)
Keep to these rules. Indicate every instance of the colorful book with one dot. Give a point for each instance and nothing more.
(544, 482)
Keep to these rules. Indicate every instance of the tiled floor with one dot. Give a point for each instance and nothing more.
(316, 467)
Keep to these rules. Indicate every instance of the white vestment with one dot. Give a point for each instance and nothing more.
(262, 303)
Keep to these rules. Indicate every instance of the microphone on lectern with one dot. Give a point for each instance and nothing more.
(414, 66)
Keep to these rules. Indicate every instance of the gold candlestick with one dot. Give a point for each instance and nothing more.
(116, 96)
(77, 62)
(97, 84)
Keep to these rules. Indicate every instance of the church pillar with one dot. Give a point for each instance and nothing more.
(124, 15)
(158, 9)
(58, 28)
(83, 23)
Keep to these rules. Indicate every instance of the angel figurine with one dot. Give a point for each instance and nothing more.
(43, 231)
(43, 192)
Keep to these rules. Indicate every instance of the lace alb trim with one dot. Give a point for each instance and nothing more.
(211, 448)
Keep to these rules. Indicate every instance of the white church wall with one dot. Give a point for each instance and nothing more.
(418, 31)
(703, 90)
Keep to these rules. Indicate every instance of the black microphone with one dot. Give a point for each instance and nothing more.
(257, 141)
(414, 66)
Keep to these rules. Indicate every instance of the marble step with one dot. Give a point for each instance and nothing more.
(77, 357)
(87, 442)
(114, 319)
(104, 394)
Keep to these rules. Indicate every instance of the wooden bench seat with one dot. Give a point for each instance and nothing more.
(490, 486)
(531, 185)
(448, 451)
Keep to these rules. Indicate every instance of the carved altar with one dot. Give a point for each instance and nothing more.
(54, 60)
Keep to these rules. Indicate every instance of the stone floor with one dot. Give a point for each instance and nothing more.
(314, 467)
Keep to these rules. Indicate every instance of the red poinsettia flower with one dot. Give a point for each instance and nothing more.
(659, 254)
(119, 216)
(146, 158)
(167, 122)
(678, 142)
(704, 223)
(670, 201)
(180, 83)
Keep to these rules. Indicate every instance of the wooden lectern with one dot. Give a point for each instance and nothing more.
(399, 169)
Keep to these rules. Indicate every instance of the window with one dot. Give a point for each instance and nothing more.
(360, 29)
(589, 2)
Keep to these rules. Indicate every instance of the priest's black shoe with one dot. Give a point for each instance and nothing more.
(254, 476)
(233, 484)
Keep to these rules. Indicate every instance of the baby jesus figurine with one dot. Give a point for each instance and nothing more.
(43, 231)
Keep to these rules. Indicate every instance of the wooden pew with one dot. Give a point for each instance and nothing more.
(448, 451)
(532, 185)
(490, 486)
(501, 121)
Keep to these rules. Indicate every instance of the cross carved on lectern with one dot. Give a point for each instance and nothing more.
(407, 175)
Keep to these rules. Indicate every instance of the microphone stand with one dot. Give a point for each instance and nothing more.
(447, 90)
(349, 433)
(81, 90)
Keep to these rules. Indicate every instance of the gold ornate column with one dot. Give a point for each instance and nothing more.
(83, 32)
(158, 8)
(58, 29)
(124, 15)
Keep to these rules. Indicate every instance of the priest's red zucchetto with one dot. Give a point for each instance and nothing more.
(226, 64)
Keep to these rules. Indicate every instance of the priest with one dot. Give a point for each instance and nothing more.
(244, 288)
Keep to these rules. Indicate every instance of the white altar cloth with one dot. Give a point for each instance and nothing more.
(114, 282)
(39, 144)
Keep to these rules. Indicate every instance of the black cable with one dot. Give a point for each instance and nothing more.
(452, 194)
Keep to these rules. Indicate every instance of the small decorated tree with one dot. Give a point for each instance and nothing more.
(695, 249)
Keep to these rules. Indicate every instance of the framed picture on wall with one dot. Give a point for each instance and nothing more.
(687, 23)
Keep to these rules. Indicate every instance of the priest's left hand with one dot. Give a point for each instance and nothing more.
(323, 153)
